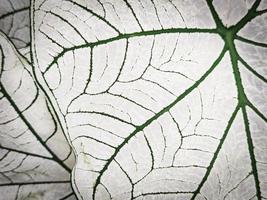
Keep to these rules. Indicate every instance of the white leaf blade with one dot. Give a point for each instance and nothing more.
(34, 150)
(99, 148)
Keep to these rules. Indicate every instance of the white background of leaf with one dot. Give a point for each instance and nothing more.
(180, 144)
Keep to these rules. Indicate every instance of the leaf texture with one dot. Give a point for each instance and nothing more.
(35, 157)
(15, 21)
(160, 99)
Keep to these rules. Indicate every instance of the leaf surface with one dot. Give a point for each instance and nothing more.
(15, 21)
(160, 99)
(35, 157)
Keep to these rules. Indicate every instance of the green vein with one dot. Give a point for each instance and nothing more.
(14, 12)
(261, 115)
(103, 114)
(156, 116)
(130, 7)
(162, 193)
(67, 196)
(251, 153)
(251, 14)
(130, 35)
(250, 41)
(251, 69)
(242, 99)
(26, 153)
(215, 15)
(261, 12)
(33, 183)
(216, 153)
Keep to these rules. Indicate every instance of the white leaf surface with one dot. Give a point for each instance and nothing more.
(35, 158)
(160, 99)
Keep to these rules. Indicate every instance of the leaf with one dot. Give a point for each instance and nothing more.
(160, 99)
(15, 21)
(35, 158)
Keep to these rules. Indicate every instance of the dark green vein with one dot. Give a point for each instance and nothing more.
(67, 196)
(130, 35)
(261, 115)
(14, 12)
(237, 185)
(26, 153)
(162, 193)
(251, 41)
(251, 153)
(251, 14)
(251, 69)
(156, 116)
(242, 99)
(130, 7)
(215, 15)
(103, 114)
(216, 153)
(90, 72)
(33, 183)
(261, 12)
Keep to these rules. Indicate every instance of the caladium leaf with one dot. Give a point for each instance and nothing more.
(35, 157)
(15, 21)
(160, 99)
